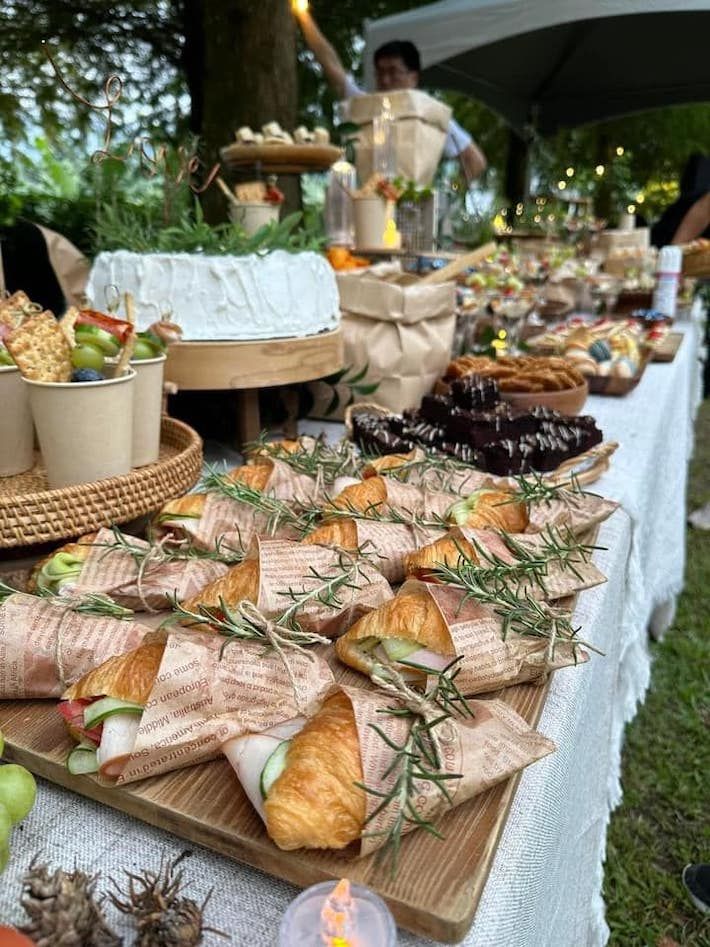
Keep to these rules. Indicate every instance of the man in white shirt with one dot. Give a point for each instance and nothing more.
(397, 66)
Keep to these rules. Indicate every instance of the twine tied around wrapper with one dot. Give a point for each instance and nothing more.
(281, 638)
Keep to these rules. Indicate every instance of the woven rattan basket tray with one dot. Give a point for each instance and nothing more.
(31, 513)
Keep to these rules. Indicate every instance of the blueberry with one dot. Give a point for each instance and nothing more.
(86, 374)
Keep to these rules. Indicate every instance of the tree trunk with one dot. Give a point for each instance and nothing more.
(240, 62)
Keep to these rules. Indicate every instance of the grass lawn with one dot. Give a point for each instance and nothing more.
(664, 820)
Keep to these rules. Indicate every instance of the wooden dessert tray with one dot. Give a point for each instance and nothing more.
(31, 513)
(281, 159)
(438, 886)
(667, 350)
(617, 387)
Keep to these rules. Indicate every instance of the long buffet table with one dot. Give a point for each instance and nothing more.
(545, 884)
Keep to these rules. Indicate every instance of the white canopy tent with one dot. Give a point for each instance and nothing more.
(556, 63)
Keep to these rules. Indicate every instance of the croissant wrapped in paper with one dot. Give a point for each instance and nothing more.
(277, 573)
(426, 627)
(389, 543)
(308, 788)
(46, 644)
(376, 494)
(174, 700)
(414, 469)
(109, 563)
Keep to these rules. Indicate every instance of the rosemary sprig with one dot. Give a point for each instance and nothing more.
(277, 512)
(534, 488)
(377, 513)
(171, 551)
(6, 591)
(328, 586)
(520, 613)
(418, 758)
(89, 603)
(443, 473)
(319, 459)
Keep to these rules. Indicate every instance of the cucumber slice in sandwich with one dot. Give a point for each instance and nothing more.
(274, 766)
(109, 707)
(397, 649)
(82, 760)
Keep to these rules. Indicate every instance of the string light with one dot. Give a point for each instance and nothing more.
(640, 198)
(631, 208)
(537, 218)
(562, 185)
(569, 172)
(620, 151)
(600, 169)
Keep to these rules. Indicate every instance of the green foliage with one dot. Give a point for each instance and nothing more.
(141, 229)
(662, 822)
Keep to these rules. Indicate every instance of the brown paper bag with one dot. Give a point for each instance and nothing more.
(484, 751)
(45, 646)
(206, 693)
(111, 569)
(420, 128)
(400, 329)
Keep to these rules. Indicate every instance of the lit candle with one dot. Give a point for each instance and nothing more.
(337, 915)
(391, 238)
(299, 6)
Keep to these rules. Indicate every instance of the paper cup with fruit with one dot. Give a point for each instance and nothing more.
(16, 432)
(82, 405)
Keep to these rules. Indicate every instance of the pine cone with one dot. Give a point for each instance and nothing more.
(63, 911)
(163, 918)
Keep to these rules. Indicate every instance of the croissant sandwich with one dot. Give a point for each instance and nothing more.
(61, 567)
(377, 494)
(103, 710)
(309, 790)
(174, 700)
(46, 644)
(413, 468)
(111, 564)
(426, 627)
(277, 574)
(389, 543)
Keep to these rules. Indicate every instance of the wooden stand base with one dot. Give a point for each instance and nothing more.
(248, 366)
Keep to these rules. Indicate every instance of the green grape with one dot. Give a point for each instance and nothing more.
(143, 349)
(5, 357)
(98, 337)
(17, 790)
(5, 825)
(87, 356)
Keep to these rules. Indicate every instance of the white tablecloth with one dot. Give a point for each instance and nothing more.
(545, 883)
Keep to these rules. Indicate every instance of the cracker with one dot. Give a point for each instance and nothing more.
(40, 349)
(67, 323)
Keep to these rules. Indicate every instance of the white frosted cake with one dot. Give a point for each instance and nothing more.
(224, 297)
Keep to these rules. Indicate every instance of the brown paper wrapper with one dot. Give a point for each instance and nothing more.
(558, 582)
(484, 751)
(285, 565)
(460, 482)
(45, 646)
(112, 570)
(390, 543)
(408, 498)
(202, 698)
(489, 660)
(576, 511)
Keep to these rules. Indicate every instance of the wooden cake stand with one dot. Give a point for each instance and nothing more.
(245, 367)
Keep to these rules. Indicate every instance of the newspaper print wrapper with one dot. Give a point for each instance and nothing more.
(390, 543)
(489, 660)
(407, 498)
(285, 566)
(45, 646)
(111, 569)
(206, 693)
(576, 511)
(459, 480)
(557, 582)
(484, 751)
(232, 524)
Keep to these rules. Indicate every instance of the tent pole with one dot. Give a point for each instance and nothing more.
(517, 168)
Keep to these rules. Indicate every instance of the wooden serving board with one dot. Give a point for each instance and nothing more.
(437, 888)
(668, 349)
(281, 159)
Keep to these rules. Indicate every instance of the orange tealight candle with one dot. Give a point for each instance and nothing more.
(337, 915)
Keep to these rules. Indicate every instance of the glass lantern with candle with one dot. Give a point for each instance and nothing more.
(338, 204)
